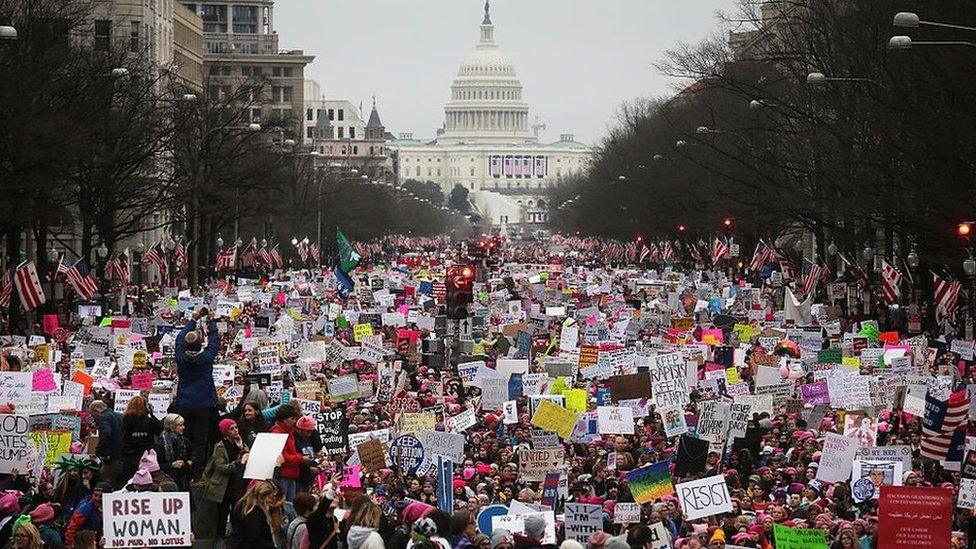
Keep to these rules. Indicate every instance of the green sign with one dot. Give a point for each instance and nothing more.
(799, 538)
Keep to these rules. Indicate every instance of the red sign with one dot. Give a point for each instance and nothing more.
(914, 517)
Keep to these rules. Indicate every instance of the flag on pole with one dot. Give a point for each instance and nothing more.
(62, 268)
(946, 298)
(276, 257)
(940, 422)
(314, 251)
(720, 250)
(226, 259)
(787, 267)
(82, 279)
(265, 257)
(856, 270)
(645, 251)
(812, 274)
(890, 282)
(180, 258)
(29, 286)
(6, 288)
(763, 254)
(348, 258)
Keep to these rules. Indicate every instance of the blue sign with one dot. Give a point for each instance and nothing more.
(485, 515)
(514, 386)
(445, 484)
(407, 453)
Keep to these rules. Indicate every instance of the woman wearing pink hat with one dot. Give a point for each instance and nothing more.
(222, 481)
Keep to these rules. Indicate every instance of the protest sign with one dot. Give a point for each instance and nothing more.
(650, 482)
(16, 387)
(712, 421)
(668, 381)
(553, 417)
(626, 387)
(626, 513)
(268, 360)
(515, 523)
(739, 415)
(146, 519)
(704, 497)
(53, 442)
(343, 388)
(674, 421)
(614, 420)
(261, 461)
(837, 458)
(407, 453)
(372, 456)
(901, 452)
(414, 423)
(535, 463)
(15, 444)
(462, 421)
(449, 445)
(913, 516)
(582, 520)
(815, 393)
(333, 429)
(799, 538)
(660, 537)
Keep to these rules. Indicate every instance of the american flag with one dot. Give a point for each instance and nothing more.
(812, 274)
(302, 252)
(180, 258)
(695, 253)
(667, 253)
(226, 259)
(645, 251)
(6, 288)
(890, 282)
(62, 268)
(764, 254)
(655, 253)
(155, 255)
(856, 270)
(276, 257)
(946, 298)
(82, 279)
(29, 286)
(249, 255)
(720, 250)
(122, 268)
(787, 267)
(314, 250)
(943, 421)
(265, 257)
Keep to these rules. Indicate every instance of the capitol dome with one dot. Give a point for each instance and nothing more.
(486, 97)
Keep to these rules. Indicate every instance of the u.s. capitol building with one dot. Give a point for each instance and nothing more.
(488, 144)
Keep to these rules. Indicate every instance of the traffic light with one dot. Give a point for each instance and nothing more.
(460, 283)
(963, 232)
(728, 224)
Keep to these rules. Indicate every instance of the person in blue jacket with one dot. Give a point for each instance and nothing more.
(196, 396)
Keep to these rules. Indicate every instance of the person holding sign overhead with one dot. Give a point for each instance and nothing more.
(196, 396)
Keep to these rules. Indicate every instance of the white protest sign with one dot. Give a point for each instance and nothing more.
(146, 519)
(837, 458)
(122, 398)
(628, 513)
(160, 404)
(615, 420)
(712, 420)
(516, 524)
(462, 421)
(15, 444)
(16, 387)
(449, 445)
(582, 520)
(660, 538)
(264, 454)
(510, 411)
(704, 497)
(268, 360)
(668, 381)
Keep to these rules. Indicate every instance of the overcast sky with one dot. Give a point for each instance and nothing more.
(577, 59)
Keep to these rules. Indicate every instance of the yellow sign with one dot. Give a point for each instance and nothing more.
(140, 359)
(732, 375)
(42, 352)
(478, 349)
(359, 331)
(553, 417)
(575, 400)
(744, 332)
(683, 324)
(416, 423)
(854, 361)
(52, 443)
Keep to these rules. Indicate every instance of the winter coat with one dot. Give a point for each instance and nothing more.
(110, 435)
(290, 468)
(222, 471)
(195, 389)
(362, 537)
(140, 433)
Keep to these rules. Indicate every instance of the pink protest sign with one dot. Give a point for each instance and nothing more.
(43, 381)
(143, 382)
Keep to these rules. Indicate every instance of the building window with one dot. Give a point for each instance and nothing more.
(342, 132)
(341, 115)
(472, 172)
(217, 47)
(308, 132)
(281, 72)
(309, 114)
(281, 94)
(247, 47)
(245, 19)
(256, 115)
(214, 18)
(418, 171)
(331, 114)
(103, 34)
(355, 149)
(134, 36)
(438, 172)
(352, 132)
(371, 151)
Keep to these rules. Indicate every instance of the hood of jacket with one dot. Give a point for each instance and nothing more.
(357, 536)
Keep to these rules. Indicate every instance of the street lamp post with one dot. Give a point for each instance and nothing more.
(902, 42)
(819, 79)
(7, 32)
